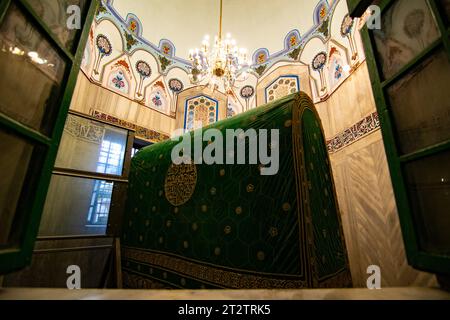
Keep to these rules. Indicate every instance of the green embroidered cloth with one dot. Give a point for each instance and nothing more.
(228, 226)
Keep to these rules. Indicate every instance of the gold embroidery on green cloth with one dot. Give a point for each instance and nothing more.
(273, 232)
(218, 276)
(221, 197)
(180, 182)
(261, 255)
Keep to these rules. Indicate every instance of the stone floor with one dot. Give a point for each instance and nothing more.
(410, 293)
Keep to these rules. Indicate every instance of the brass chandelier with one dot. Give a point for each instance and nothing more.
(217, 63)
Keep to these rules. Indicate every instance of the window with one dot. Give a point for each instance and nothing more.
(100, 203)
(111, 159)
(138, 145)
(90, 167)
(110, 162)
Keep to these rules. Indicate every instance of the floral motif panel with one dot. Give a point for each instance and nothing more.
(158, 99)
(118, 82)
(336, 68)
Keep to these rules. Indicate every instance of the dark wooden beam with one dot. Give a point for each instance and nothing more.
(357, 7)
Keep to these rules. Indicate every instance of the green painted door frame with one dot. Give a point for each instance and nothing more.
(357, 7)
(34, 190)
(417, 257)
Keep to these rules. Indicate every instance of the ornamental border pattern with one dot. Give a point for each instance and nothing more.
(84, 129)
(356, 132)
(230, 279)
(141, 132)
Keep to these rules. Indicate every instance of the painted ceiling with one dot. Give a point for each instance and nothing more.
(139, 48)
(253, 24)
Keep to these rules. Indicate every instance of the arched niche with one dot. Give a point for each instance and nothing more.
(338, 65)
(119, 77)
(215, 98)
(157, 96)
(297, 74)
(106, 30)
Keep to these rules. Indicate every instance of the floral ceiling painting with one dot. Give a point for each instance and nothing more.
(154, 76)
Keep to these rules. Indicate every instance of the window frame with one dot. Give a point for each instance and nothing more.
(34, 189)
(418, 258)
(120, 183)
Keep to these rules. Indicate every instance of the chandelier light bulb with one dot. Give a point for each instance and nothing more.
(17, 51)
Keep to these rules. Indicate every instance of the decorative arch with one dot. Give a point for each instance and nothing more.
(296, 74)
(261, 56)
(117, 81)
(306, 44)
(335, 68)
(99, 25)
(101, 56)
(157, 97)
(337, 64)
(166, 47)
(134, 25)
(282, 86)
(321, 12)
(200, 109)
(292, 39)
(118, 76)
